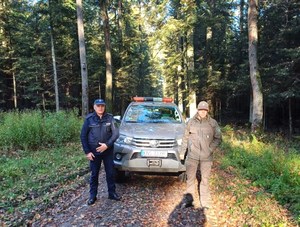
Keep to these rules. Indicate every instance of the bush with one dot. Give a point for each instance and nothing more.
(34, 129)
(61, 127)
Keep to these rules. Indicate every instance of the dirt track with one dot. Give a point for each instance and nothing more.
(155, 201)
(146, 201)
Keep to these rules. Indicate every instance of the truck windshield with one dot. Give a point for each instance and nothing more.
(152, 114)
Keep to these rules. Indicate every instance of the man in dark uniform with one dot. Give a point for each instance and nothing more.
(98, 135)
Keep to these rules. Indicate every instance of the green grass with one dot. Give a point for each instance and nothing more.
(272, 164)
(37, 177)
(41, 157)
(33, 129)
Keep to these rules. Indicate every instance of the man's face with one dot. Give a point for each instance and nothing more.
(99, 109)
(202, 113)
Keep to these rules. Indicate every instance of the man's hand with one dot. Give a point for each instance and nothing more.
(101, 148)
(90, 156)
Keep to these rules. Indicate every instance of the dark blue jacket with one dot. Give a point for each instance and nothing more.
(96, 130)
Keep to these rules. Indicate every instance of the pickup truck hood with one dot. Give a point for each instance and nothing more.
(153, 130)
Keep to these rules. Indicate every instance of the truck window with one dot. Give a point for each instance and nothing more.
(152, 114)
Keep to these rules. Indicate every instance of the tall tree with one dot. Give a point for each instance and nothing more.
(53, 56)
(257, 96)
(8, 53)
(108, 58)
(54, 70)
(83, 63)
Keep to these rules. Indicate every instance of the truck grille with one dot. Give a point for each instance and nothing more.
(154, 143)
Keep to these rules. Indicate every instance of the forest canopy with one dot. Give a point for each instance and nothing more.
(187, 50)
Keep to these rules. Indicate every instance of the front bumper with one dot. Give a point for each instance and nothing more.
(128, 158)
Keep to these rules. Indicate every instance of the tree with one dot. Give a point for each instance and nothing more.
(257, 97)
(108, 58)
(53, 57)
(8, 52)
(155, 48)
(280, 61)
(83, 63)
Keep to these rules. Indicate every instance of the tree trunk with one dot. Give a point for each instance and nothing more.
(192, 104)
(120, 32)
(197, 41)
(83, 64)
(54, 71)
(241, 41)
(6, 42)
(257, 113)
(108, 86)
(199, 44)
(15, 90)
(290, 118)
(53, 59)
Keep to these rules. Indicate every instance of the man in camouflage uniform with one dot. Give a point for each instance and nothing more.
(202, 136)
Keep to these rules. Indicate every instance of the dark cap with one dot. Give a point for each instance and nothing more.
(99, 102)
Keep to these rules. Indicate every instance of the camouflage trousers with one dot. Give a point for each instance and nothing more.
(203, 186)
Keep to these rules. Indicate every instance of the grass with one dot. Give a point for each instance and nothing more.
(33, 129)
(271, 164)
(35, 178)
(40, 158)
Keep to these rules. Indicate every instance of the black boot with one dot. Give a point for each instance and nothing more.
(91, 201)
(114, 196)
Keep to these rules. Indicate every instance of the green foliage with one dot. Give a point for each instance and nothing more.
(31, 174)
(280, 46)
(34, 129)
(32, 178)
(21, 130)
(267, 165)
(61, 127)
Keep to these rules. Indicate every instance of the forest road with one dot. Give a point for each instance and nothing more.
(146, 201)
(154, 201)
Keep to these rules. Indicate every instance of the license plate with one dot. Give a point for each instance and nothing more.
(159, 154)
(153, 162)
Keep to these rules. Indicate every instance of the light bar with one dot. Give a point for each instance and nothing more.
(152, 99)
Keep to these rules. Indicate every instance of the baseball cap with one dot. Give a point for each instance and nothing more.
(203, 106)
(99, 102)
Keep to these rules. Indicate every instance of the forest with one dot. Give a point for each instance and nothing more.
(57, 56)
(241, 56)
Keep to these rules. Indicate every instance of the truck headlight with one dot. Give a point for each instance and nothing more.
(128, 140)
(124, 139)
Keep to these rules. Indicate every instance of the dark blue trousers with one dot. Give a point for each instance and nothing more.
(107, 158)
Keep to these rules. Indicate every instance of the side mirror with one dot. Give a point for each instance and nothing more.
(117, 119)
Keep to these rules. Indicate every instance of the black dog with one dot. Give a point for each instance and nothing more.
(187, 201)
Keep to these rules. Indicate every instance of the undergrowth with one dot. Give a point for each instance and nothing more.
(32, 129)
(35, 179)
(272, 164)
(40, 158)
